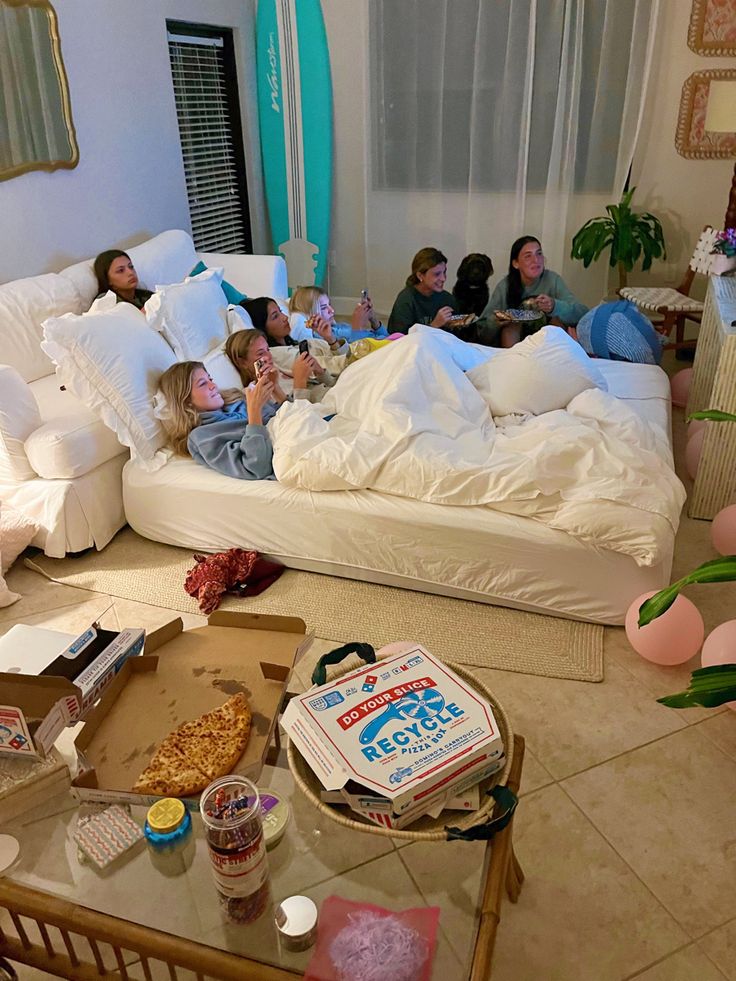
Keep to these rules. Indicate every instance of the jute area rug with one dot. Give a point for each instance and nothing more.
(134, 568)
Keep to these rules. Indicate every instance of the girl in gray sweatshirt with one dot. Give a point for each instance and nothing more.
(221, 430)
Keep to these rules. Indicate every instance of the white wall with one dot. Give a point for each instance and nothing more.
(129, 183)
(684, 194)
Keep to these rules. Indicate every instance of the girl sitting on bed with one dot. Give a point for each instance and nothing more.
(218, 429)
(245, 348)
(266, 316)
(310, 310)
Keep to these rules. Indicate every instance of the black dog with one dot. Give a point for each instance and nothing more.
(471, 288)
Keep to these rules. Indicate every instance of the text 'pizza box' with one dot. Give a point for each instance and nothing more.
(182, 675)
(407, 729)
(50, 679)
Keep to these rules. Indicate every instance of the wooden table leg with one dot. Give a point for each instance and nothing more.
(504, 872)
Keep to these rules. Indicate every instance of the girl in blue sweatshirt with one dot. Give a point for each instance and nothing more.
(218, 429)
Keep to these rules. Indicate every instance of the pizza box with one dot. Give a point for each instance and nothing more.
(50, 679)
(30, 782)
(181, 675)
(407, 728)
(464, 796)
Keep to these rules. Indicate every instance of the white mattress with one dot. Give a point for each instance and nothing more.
(470, 552)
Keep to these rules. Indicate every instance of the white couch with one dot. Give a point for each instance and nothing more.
(59, 463)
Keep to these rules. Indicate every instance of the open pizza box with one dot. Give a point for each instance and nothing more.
(181, 675)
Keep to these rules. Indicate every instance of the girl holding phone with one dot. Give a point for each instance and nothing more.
(266, 316)
(220, 430)
(252, 357)
(310, 309)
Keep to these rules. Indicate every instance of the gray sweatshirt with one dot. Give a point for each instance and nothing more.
(225, 441)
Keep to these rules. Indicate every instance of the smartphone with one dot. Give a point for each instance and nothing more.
(261, 366)
(303, 347)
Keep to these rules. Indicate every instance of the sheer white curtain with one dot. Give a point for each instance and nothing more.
(491, 119)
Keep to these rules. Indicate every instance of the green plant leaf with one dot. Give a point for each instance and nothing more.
(716, 570)
(629, 237)
(709, 687)
(715, 415)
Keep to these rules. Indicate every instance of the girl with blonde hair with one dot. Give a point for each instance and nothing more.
(251, 355)
(310, 309)
(220, 430)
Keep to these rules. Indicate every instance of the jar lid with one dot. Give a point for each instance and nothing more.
(165, 815)
(296, 916)
(275, 814)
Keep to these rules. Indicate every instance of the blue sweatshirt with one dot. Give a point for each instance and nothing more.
(225, 441)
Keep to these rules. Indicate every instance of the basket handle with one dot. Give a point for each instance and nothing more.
(365, 651)
(484, 832)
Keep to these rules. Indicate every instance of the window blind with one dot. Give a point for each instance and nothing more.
(214, 183)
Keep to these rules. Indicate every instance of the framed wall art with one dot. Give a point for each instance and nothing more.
(712, 28)
(36, 128)
(692, 139)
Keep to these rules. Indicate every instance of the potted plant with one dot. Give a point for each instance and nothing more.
(724, 252)
(628, 235)
(716, 684)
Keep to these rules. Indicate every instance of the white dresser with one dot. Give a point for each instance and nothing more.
(714, 387)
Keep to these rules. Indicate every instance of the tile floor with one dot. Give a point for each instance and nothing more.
(627, 826)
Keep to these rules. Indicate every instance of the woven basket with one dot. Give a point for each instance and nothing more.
(425, 828)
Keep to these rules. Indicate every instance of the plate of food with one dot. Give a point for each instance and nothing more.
(518, 316)
(461, 320)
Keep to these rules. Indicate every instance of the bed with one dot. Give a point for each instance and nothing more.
(477, 552)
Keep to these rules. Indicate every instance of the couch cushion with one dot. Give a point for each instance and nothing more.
(24, 305)
(70, 439)
(19, 416)
(167, 258)
(113, 361)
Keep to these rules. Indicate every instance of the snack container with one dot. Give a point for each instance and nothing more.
(231, 812)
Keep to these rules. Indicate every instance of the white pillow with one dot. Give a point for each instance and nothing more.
(222, 371)
(16, 533)
(112, 362)
(19, 417)
(192, 315)
(543, 373)
(238, 319)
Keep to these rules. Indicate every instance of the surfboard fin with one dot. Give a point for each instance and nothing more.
(301, 261)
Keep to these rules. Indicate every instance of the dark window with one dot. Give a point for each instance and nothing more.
(208, 111)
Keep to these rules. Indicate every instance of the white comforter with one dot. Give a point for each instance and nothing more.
(408, 422)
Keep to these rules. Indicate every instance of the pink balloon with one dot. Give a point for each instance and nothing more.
(692, 452)
(720, 648)
(672, 638)
(680, 386)
(694, 427)
(723, 533)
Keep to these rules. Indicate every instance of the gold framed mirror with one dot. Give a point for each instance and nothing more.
(36, 128)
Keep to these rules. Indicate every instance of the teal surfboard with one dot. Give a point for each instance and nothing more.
(295, 120)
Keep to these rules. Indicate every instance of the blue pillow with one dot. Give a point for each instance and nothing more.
(232, 295)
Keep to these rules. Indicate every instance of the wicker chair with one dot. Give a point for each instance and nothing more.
(676, 305)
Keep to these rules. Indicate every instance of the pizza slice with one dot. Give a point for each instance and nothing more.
(215, 741)
(171, 774)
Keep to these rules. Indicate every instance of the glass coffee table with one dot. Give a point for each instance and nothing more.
(68, 918)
